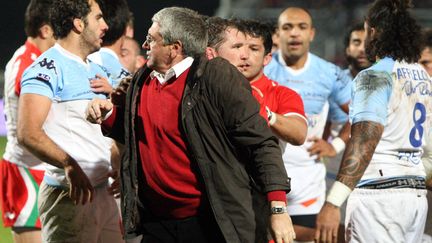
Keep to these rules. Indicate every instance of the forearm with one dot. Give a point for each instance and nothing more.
(358, 153)
(45, 149)
(291, 129)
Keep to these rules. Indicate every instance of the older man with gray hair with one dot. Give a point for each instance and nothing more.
(200, 160)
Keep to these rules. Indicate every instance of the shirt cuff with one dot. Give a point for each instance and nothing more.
(108, 123)
(276, 196)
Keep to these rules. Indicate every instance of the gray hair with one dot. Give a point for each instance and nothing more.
(184, 25)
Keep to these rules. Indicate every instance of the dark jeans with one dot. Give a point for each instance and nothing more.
(190, 230)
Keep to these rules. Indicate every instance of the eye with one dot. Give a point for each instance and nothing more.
(149, 39)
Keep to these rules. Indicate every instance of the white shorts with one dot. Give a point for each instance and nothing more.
(63, 221)
(307, 193)
(386, 215)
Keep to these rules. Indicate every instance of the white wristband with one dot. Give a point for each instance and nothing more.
(338, 193)
(273, 118)
(338, 144)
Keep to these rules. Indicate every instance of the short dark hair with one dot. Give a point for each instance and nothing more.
(117, 15)
(426, 38)
(355, 27)
(257, 29)
(216, 27)
(63, 14)
(36, 16)
(397, 34)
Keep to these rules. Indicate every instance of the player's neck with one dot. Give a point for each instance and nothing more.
(258, 77)
(353, 71)
(296, 63)
(40, 43)
(116, 46)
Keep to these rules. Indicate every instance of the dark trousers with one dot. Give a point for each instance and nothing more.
(197, 229)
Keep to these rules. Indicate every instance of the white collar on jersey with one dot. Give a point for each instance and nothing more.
(175, 70)
(294, 71)
(70, 55)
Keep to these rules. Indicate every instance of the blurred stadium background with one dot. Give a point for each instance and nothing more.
(331, 19)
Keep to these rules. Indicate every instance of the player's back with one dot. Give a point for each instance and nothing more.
(398, 96)
(22, 58)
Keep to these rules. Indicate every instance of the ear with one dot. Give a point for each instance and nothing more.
(372, 32)
(312, 35)
(46, 31)
(177, 48)
(267, 59)
(210, 53)
(78, 25)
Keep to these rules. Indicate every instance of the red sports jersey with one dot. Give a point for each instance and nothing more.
(279, 99)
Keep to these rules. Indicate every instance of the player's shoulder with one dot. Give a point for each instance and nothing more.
(385, 64)
(281, 89)
(323, 65)
(379, 71)
(48, 60)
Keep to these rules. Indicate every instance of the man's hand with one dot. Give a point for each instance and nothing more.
(114, 188)
(97, 110)
(321, 148)
(100, 85)
(80, 188)
(281, 226)
(118, 95)
(327, 224)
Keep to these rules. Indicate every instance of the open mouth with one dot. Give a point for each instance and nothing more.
(295, 44)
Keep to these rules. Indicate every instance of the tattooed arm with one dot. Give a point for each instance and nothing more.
(364, 139)
(365, 136)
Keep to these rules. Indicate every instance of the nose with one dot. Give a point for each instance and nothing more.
(244, 53)
(145, 45)
(295, 31)
(362, 47)
(104, 25)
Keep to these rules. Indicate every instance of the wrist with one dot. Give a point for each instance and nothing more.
(338, 193)
(278, 208)
(338, 144)
(271, 116)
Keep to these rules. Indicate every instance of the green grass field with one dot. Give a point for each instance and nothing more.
(5, 234)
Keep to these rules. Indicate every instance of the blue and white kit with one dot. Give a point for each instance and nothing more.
(317, 82)
(391, 196)
(65, 79)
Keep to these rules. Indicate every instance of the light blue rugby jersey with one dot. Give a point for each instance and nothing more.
(317, 82)
(65, 79)
(61, 76)
(398, 96)
(336, 114)
(110, 61)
